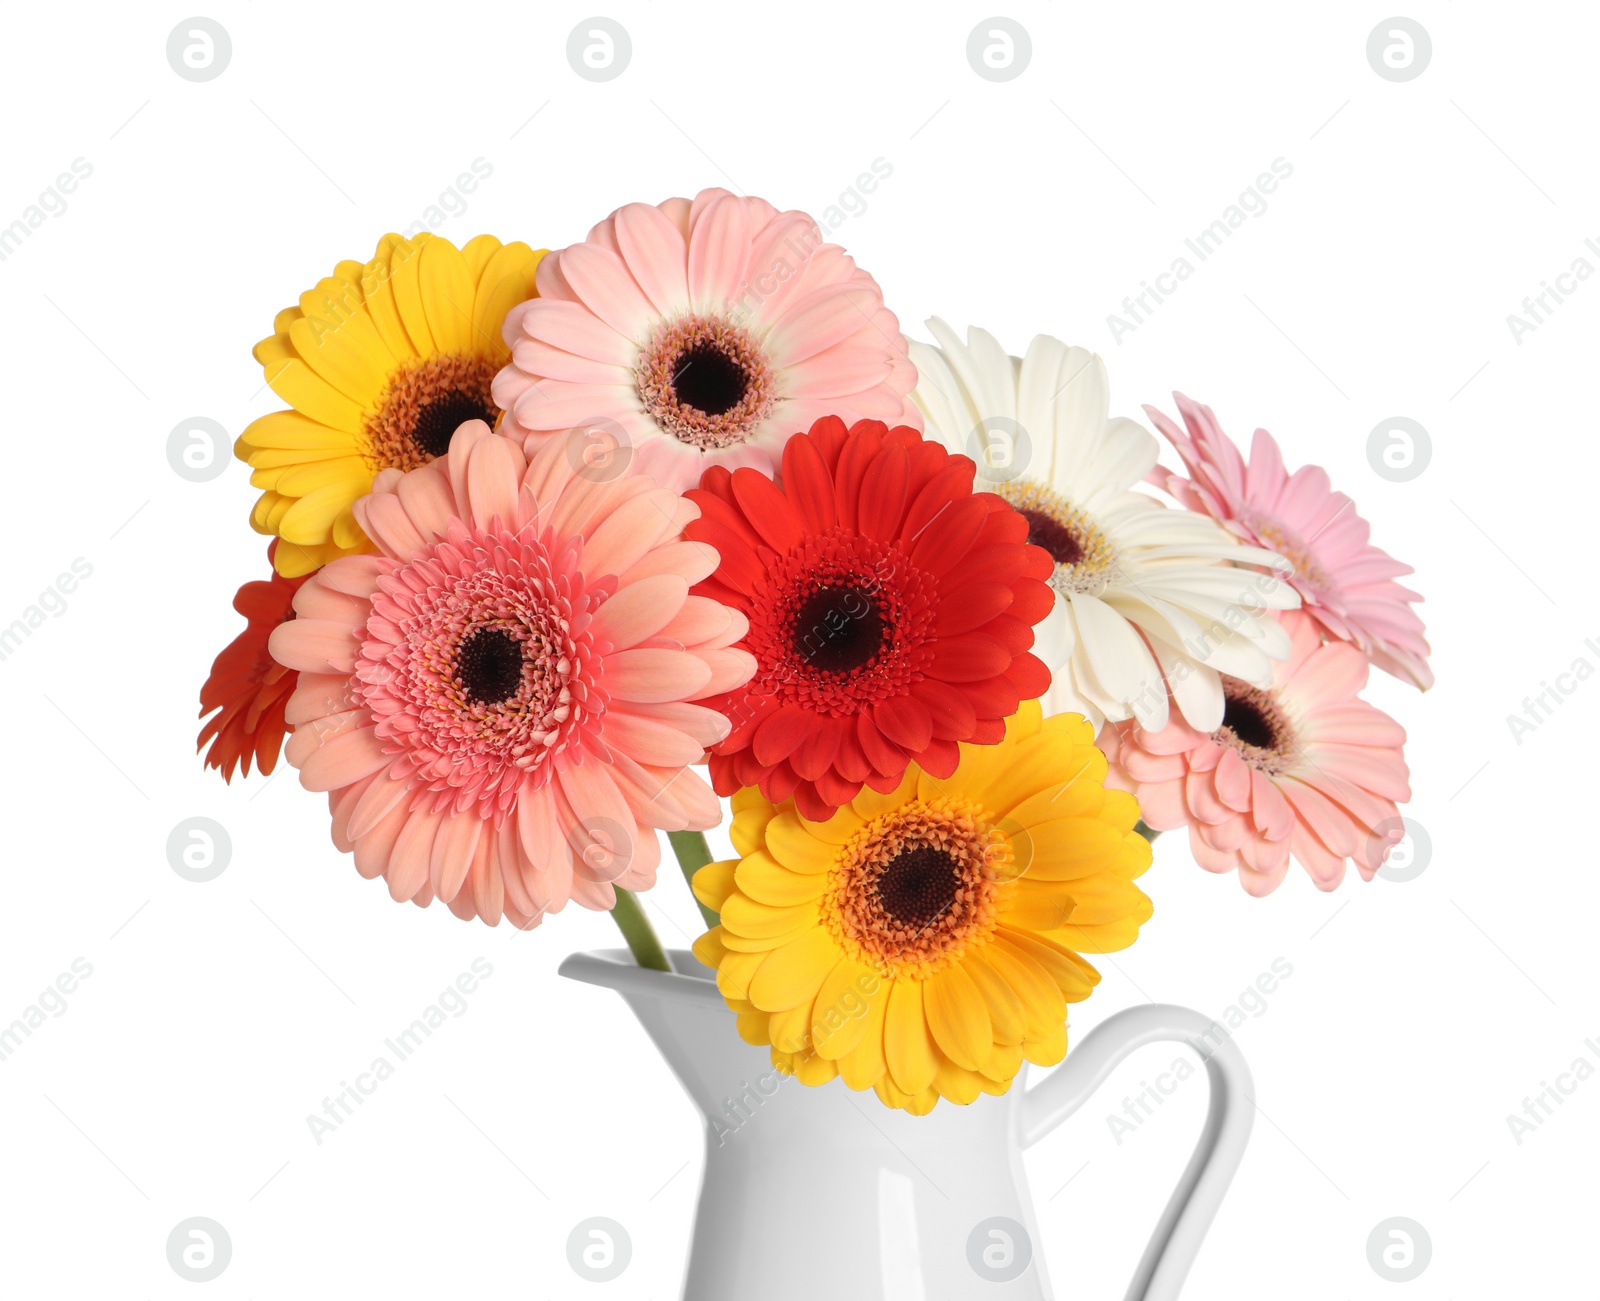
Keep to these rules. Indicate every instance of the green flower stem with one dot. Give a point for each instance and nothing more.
(636, 929)
(693, 854)
(1149, 833)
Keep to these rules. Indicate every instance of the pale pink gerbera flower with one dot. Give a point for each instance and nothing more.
(1345, 583)
(1302, 768)
(497, 703)
(702, 333)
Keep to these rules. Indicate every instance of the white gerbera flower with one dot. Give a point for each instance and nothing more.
(1147, 598)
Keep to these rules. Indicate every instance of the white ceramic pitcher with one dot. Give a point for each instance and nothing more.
(813, 1192)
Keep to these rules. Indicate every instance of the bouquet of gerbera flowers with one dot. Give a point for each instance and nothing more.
(568, 545)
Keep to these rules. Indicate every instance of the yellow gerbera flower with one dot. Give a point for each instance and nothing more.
(380, 364)
(926, 942)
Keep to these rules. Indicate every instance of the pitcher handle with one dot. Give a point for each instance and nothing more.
(1199, 1193)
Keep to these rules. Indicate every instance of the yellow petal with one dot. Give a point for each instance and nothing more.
(1083, 797)
(735, 972)
(309, 520)
(307, 477)
(1062, 966)
(1045, 762)
(291, 431)
(791, 1029)
(306, 391)
(813, 1070)
(347, 534)
(908, 1046)
(918, 1104)
(477, 251)
(1041, 998)
(1005, 1060)
(405, 280)
(1043, 907)
(1047, 1048)
(747, 919)
(869, 804)
(792, 975)
(708, 949)
(377, 286)
(764, 879)
(789, 840)
(447, 294)
(958, 1018)
(957, 1083)
(504, 282)
(713, 883)
(753, 1027)
(1068, 849)
(1006, 1014)
(333, 352)
(840, 1015)
(864, 1065)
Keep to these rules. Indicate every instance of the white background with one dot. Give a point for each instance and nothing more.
(1377, 283)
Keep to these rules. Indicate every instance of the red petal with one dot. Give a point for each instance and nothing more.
(851, 760)
(1030, 675)
(952, 483)
(780, 734)
(953, 715)
(883, 495)
(828, 436)
(989, 731)
(971, 606)
(807, 483)
(860, 450)
(1003, 524)
(1010, 632)
(835, 789)
(971, 658)
(811, 804)
(904, 720)
(737, 563)
(948, 536)
(1033, 600)
(767, 510)
(884, 756)
(939, 759)
(779, 783)
(814, 757)
(996, 698)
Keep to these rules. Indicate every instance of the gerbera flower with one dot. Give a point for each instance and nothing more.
(1345, 583)
(381, 364)
(701, 334)
(1141, 591)
(924, 942)
(1302, 768)
(890, 608)
(497, 703)
(247, 689)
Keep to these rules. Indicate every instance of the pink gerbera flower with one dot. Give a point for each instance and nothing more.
(1302, 768)
(497, 703)
(702, 333)
(1345, 582)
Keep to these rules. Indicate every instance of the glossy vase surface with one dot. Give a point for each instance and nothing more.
(824, 1192)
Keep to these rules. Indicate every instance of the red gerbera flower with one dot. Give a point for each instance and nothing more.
(247, 688)
(891, 610)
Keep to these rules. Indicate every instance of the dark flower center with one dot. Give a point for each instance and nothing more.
(489, 665)
(917, 886)
(438, 419)
(1054, 536)
(1249, 722)
(838, 629)
(707, 379)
